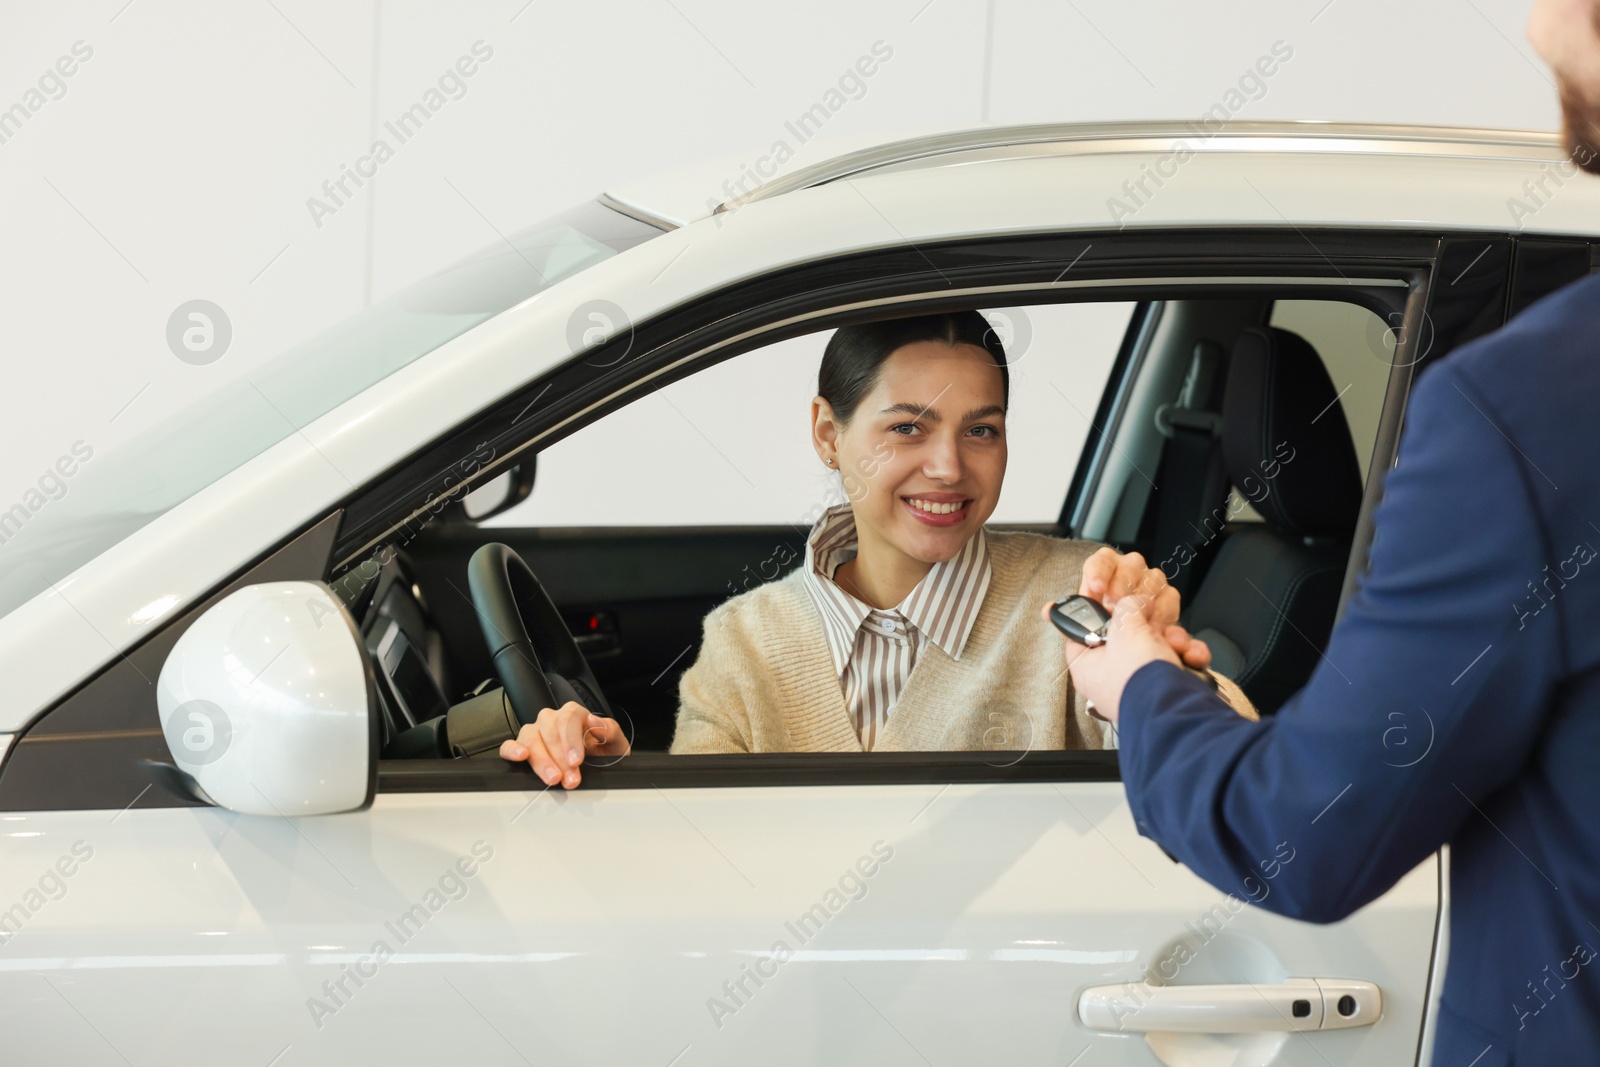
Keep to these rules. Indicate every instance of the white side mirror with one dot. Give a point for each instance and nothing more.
(267, 701)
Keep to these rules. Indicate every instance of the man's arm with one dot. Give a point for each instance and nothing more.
(1429, 697)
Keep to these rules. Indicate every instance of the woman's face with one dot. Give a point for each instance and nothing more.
(925, 454)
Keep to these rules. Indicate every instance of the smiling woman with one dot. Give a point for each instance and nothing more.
(909, 626)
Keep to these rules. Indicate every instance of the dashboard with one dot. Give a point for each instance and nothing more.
(407, 651)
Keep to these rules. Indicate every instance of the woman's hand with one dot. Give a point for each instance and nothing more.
(555, 743)
(1109, 576)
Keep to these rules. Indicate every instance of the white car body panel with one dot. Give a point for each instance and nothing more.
(606, 922)
(49, 645)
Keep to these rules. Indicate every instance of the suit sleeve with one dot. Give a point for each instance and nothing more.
(1429, 697)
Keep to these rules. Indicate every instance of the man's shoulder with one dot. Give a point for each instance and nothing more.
(1536, 382)
(1547, 348)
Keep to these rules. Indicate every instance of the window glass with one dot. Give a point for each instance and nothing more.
(1354, 344)
(731, 445)
(149, 475)
(1358, 351)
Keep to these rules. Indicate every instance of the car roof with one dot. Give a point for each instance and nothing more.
(681, 196)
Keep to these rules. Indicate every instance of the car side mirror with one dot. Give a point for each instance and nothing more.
(269, 706)
(501, 493)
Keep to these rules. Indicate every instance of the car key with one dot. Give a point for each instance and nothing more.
(1086, 621)
(1081, 618)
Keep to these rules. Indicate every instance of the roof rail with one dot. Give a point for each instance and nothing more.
(1079, 137)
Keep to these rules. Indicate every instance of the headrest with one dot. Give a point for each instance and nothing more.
(1285, 441)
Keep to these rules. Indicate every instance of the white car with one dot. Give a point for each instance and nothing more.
(252, 810)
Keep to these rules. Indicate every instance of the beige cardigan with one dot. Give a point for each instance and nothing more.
(764, 680)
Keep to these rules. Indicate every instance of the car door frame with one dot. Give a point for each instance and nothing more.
(94, 745)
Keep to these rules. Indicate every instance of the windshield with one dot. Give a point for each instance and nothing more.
(137, 482)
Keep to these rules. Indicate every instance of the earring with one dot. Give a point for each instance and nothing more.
(829, 461)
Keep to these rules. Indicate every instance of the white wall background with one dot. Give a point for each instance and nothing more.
(176, 162)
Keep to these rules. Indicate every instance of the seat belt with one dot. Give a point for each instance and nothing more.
(1192, 476)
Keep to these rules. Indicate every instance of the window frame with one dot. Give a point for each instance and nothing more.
(94, 752)
(654, 770)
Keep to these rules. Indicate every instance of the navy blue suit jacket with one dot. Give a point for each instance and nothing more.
(1458, 702)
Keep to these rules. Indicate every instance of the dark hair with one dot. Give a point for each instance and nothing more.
(854, 354)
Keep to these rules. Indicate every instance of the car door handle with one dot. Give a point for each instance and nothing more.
(1297, 1004)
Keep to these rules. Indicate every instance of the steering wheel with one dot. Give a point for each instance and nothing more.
(534, 653)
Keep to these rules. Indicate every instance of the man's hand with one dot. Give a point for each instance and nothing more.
(1109, 577)
(1131, 642)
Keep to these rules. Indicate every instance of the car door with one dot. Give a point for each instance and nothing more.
(796, 924)
(791, 908)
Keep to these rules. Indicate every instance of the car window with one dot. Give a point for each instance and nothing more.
(133, 485)
(730, 446)
(1260, 584)
(1358, 351)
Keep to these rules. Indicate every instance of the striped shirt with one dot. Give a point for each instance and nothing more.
(875, 649)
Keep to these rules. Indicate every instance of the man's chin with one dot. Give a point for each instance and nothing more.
(1580, 128)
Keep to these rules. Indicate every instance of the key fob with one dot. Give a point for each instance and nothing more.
(1082, 619)
(1085, 620)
